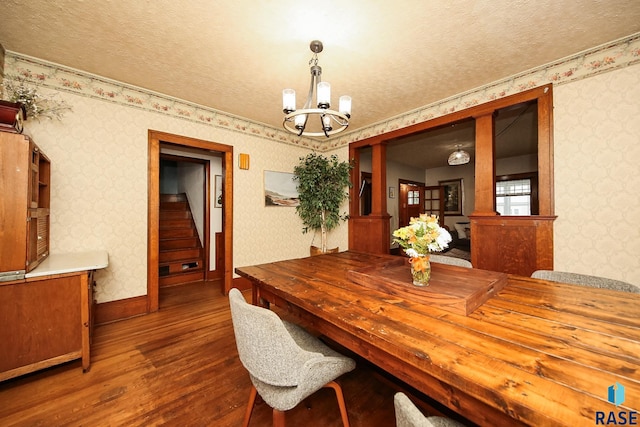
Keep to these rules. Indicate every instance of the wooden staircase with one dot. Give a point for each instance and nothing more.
(181, 253)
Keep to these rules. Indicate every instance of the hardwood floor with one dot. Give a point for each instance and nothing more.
(179, 367)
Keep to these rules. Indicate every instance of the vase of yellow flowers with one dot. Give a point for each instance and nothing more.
(422, 236)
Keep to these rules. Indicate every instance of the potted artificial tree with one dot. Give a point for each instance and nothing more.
(322, 187)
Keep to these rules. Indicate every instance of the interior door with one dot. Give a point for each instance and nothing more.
(434, 202)
(411, 201)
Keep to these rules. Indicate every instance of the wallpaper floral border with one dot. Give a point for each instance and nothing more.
(616, 54)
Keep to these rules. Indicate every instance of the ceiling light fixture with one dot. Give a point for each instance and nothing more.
(459, 157)
(330, 121)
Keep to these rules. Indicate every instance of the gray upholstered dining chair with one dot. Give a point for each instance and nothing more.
(408, 415)
(442, 259)
(585, 280)
(286, 364)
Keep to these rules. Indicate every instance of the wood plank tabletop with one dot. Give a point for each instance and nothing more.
(536, 353)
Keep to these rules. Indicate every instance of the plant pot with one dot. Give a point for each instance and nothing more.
(314, 250)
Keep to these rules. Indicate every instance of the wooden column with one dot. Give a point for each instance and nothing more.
(545, 154)
(370, 233)
(512, 244)
(379, 179)
(485, 203)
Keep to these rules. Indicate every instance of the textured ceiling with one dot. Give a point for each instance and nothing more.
(237, 55)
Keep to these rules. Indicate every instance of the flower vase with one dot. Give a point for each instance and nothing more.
(420, 270)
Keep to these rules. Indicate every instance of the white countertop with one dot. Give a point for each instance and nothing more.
(70, 262)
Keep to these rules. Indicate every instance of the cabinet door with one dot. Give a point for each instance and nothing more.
(42, 324)
(37, 237)
(14, 184)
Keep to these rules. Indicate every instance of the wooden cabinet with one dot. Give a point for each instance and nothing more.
(45, 321)
(512, 244)
(25, 174)
(46, 318)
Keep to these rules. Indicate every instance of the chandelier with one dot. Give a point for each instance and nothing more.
(459, 157)
(318, 121)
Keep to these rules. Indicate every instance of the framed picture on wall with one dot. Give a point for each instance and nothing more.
(280, 189)
(218, 193)
(453, 196)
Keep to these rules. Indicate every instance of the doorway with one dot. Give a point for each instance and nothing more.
(411, 201)
(225, 153)
(185, 216)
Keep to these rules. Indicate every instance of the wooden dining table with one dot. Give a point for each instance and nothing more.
(534, 353)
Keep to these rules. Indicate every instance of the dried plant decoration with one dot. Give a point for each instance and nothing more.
(37, 106)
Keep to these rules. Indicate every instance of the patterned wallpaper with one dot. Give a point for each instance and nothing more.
(616, 54)
(99, 164)
(597, 177)
(99, 190)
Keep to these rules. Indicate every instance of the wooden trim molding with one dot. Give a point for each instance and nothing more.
(153, 213)
(153, 223)
(112, 311)
(530, 240)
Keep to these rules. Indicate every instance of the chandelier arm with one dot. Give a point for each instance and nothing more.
(307, 104)
(339, 118)
(343, 122)
(326, 127)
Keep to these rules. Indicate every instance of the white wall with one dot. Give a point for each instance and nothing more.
(191, 177)
(518, 164)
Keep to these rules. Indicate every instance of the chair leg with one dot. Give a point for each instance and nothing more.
(252, 401)
(278, 418)
(307, 403)
(343, 408)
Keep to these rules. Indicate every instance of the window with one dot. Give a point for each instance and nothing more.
(513, 197)
(413, 197)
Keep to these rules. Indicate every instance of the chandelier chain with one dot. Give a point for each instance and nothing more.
(314, 60)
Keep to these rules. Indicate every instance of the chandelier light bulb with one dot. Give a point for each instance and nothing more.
(345, 105)
(326, 123)
(324, 95)
(459, 157)
(288, 101)
(300, 121)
